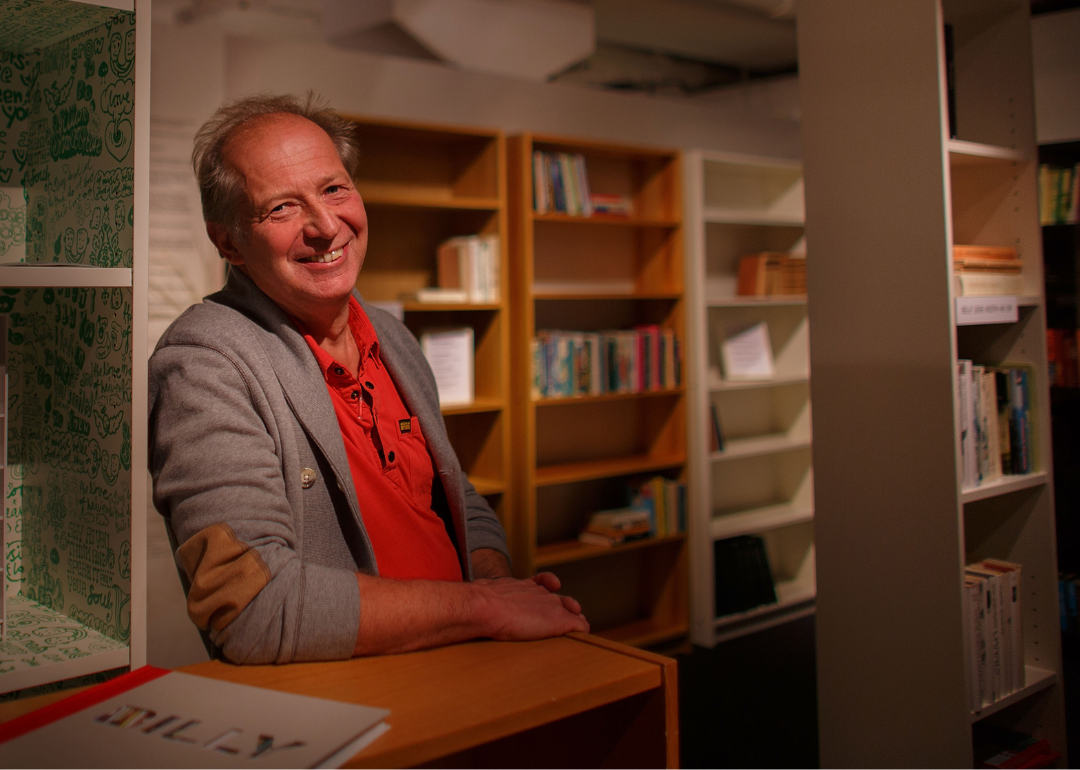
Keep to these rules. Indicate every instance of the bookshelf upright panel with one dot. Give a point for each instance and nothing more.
(73, 276)
(759, 481)
(422, 185)
(577, 455)
(889, 192)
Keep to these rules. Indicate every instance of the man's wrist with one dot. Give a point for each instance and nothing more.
(489, 564)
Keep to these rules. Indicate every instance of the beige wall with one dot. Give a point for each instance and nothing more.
(1055, 41)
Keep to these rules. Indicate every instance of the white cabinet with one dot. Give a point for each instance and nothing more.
(73, 170)
(760, 481)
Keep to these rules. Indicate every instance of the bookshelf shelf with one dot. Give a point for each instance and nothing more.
(448, 307)
(891, 491)
(1005, 485)
(788, 595)
(477, 406)
(645, 633)
(595, 296)
(605, 219)
(760, 484)
(720, 216)
(487, 486)
(671, 392)
(1035, 680)
(573, 550)
(74, 583)
(423, 184)
(603, 469)
(771, 301)
(747, 522)
(716, 384)
(575, 456)
(64, 276)
(759, 445)
(976, 153)
(373, 196)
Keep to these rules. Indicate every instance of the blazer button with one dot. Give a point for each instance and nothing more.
(307, 478)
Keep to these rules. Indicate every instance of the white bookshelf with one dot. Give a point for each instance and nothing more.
(76, 307)
(888, 193)
(760, 482)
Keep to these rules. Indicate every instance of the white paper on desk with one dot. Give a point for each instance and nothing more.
(449, 353)
(747, 353)
(217, 724)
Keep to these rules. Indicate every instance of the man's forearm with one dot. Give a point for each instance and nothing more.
(404, 615)
(489, 563)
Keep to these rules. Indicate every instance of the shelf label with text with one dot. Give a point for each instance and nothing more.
(986, 310)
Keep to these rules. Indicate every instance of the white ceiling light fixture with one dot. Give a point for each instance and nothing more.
(529, 39)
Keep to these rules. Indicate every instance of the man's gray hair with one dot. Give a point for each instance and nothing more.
(221, 187)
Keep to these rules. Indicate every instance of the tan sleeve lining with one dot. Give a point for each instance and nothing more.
(225, 574)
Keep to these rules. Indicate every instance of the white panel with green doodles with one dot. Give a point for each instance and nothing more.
(68, 148)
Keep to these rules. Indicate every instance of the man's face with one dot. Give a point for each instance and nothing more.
(305, 229)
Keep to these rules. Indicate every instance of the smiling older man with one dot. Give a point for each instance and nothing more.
(297, 448)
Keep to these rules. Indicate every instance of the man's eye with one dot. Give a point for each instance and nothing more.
(333, 189)
(278, 208)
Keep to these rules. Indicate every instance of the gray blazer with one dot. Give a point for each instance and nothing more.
(250, 471)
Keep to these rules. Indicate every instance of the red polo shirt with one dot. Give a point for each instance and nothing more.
(389, 460)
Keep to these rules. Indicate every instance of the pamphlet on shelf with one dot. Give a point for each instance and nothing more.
(746, 353)
(152, 717)
(450, 354)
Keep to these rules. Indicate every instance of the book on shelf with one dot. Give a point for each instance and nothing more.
(998, 747)
(433, 295)
(561, 184)
(1059, 194)
(574, 363)
(743, 579)
(471, 264)
(981, 271)
(995, 421)
(151, 717)
(613, 527)
(993, 632)
(716, 435)
(665, 500)
(449, 353)
(1069, 600)
(746, 353)
(772, 273)
(1063, 357)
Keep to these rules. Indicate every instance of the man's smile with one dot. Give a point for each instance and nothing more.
(332, 256)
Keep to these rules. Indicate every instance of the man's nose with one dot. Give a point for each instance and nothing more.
(321, 222)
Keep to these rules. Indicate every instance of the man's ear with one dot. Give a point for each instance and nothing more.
(222, 238)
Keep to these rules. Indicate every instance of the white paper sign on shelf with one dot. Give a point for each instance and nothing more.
(986, 310)
(450, 354)
(747, 353)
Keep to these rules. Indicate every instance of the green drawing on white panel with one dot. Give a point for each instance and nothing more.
(68, 497)
(66, 131)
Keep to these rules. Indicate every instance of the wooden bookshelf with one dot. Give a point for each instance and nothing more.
(421, 185)
(888, 194)
(760, 482)
(74, 465)
(574, 456)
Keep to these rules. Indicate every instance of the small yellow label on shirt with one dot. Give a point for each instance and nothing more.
(405, 426)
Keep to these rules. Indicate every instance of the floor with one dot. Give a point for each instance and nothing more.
(752, 701)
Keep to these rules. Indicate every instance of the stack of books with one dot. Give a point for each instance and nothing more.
(996, 747)
(1059, 194)
(571, 363)
(772, 272)
(993, 631)
(617, 526)
(657, 508)
(468, 271)
(1062, 355)
(560, 184)
(986, 271)
(995, 421)
(743, 579)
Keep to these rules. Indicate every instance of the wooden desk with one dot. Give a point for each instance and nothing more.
(576, 701)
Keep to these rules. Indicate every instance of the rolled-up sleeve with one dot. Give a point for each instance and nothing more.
(216, 462)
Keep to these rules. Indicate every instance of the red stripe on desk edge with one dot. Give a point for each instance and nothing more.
(79, 701)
